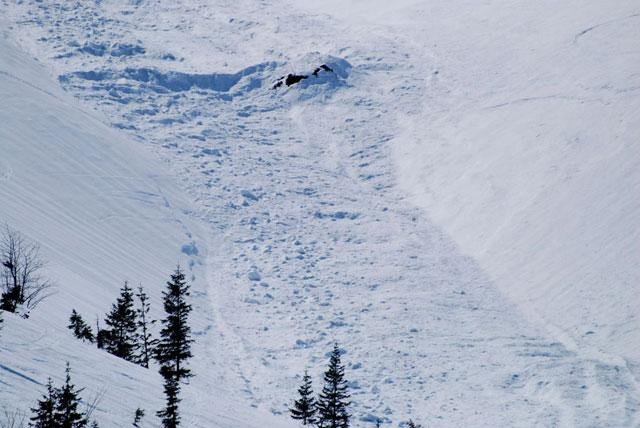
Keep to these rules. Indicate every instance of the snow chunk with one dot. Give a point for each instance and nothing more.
(254, 275)
(189, 249)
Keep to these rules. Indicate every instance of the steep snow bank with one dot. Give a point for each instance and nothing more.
(103, 212)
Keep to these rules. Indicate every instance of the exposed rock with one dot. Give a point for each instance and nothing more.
(292, 79)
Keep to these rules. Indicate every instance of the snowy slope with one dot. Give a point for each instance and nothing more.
(104, 212)
(524, 147)
(311, 238)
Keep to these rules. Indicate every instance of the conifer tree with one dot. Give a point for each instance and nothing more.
(332, 401)
(66, 413)
(121, 337)
(10, 299)
(412, 424)
(304, 408)
(170, 415)
(80, 329)
(146, 343)
(174, 347)
(43, 416)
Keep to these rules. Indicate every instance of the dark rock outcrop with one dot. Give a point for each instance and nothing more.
(292, 79)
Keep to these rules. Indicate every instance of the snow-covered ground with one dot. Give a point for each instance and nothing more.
(104, 211)
(453, 203)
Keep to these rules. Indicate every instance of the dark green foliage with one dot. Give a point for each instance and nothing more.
(174, 346)
(304, 408)
(10, 299)
(80, 329)
(58, 408)
(333, 400)
(67, 414)
(412, 424)
(170, 415)
(121, 339)
(138, 417)
(146, 343)
(43, 413)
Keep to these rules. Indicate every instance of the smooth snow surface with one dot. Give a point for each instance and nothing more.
(523, 145)
(453, 204)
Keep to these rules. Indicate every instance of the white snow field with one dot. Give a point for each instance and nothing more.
(104, 211)
(454, 200)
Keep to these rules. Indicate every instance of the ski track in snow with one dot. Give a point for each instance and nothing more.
(310, 241)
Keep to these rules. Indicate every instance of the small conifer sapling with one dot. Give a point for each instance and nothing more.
(80, 329)
(333, 401)
(174, 347)
(121, 339)
(304, 408)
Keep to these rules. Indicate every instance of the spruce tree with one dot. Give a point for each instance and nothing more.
(304, 408)
(121, 339)
(66, 413)
(43, 413)
(80, 329)
(170, 415)
(332, 402)
(174, 347)
(146, 343)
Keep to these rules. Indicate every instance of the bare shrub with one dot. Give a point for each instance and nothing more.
(21, 266)
(13, 419)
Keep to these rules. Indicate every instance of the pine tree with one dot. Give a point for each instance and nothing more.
(80, 329)
(170, 415)
(146, 343)
(174, 346)
(44, 412)
(121, 339)
(66, 414)
(332, 402)
(304, 409)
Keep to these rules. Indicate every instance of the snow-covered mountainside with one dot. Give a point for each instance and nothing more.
(448, 189)
(104, 211)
